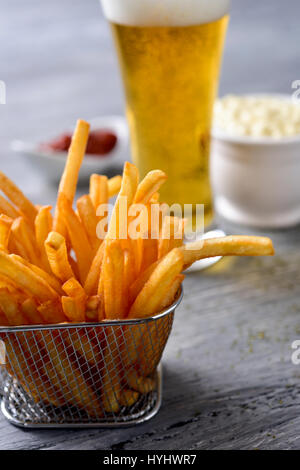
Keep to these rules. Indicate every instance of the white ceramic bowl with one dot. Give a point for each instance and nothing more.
(51, 164)
(256, 180)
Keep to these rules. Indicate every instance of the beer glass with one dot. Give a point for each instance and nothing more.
(170, 53)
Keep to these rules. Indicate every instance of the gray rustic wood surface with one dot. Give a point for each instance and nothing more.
(229, 382)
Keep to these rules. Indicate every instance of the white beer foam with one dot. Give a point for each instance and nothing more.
(164, 12)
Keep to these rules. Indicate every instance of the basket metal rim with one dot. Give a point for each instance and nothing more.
(61, 326)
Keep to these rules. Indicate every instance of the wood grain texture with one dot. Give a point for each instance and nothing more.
(229, 382)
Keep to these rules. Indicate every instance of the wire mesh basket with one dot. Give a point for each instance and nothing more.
(81, 375)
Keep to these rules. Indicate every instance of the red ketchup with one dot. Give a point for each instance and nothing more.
(100, 143)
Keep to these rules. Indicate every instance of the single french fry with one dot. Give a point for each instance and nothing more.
(98, 190)
(27, 280)
(43, 226)
(18, 294)
(235, 245)
(129, 397)
(50, 279)
(15, 246)
(129, 275)
(73, 288)
(112, 272)
(29, 308)
(11, 309)
(74, 305)
(149, 186)
(93, 304)
(154, 198)
(150, 297)
(8, 209)
(88, 219)
(5, 229)
(52, 312)
(114, 185)
(23, 234)
(172, 292)
(17, 197)
(92, 279)
(140, 384)
(68, 182)
(73, 308)
(126, 196)
(56, 250)
(164, 239)
(78, 237)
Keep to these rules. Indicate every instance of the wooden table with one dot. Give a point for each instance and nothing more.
(229, 382)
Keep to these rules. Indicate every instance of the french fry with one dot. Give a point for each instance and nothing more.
(29, 308)
(88, 219)
(9, 306)
(92, 307)
(21, 231)
(79, 240)
(56, 251)
(43, 226)
(73, 308)
(235, 245)
(5, 229)
(112, 273)
(51, 311)
(155, 289)
(27, 280)
(68, 182)
(129, 274)
(50, 279)
(92, 279)
(139, 383)
(129, 397)
(98, 190)
(73, 288)
(17, 197)
(114, 185)
(127, 193)
(8, 209)
(149, 186)
(74, 305)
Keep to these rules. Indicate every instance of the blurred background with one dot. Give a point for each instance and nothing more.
(58, 63)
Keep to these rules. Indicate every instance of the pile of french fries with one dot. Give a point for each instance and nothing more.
(59, 269)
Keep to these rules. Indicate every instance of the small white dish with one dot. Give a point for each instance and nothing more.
(255, 180)
(52, 164)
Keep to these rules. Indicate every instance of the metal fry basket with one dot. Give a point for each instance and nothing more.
(104, 374)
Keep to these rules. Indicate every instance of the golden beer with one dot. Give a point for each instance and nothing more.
(170, 74)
